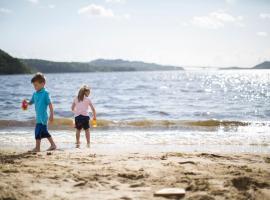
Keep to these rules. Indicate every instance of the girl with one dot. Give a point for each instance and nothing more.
(80, 107)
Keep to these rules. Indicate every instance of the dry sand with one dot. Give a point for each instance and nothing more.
(79, 174)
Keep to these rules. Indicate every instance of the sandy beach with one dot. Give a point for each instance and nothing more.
(81, 174)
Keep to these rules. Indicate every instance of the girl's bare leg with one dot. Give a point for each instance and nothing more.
(87, 135)
(78, 137)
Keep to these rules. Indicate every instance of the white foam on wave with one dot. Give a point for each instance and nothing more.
(255, 139)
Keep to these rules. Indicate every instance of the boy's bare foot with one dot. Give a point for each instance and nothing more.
(34, 150)
(51, 148)
(88, 145)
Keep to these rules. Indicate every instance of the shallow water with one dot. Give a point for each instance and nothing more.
(181, 108)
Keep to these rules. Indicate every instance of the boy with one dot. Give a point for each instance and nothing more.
(42, 100)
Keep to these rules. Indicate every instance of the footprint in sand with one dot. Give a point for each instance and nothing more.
(244, 183)
(81, 183)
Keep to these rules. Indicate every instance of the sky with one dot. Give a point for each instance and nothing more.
(215, 33)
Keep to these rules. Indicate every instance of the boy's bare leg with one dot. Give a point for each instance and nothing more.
(87, 135)
(78, 138)
(53, 146)
(37, 148)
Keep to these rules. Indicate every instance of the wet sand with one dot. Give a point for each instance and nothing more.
(81, 174)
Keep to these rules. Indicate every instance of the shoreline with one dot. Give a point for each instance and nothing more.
(88, 174)
(129, 148)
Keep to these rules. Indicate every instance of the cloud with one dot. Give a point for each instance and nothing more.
(116, 1)
(207, 22)
(95, 10)
(126, 16)
(33, 1)
(184, 24)
(265, 15)
(262, 34)
(217, 19)
(51, 6)
(5, 11)
(231, 1)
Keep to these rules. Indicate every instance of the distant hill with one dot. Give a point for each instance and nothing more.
(232, 68)
(11, 65)
(99, 65)
(119, 64)
(56, 67)
(264, 65)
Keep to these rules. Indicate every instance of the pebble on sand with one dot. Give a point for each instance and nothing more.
(166, 192)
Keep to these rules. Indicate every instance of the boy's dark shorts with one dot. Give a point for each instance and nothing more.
(82, 122)
(41, 131)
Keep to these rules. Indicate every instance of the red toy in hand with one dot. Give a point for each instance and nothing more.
(24, 104)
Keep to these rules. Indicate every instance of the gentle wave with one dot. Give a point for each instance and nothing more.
(60, 123)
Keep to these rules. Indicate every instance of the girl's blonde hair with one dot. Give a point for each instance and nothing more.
(82, 92)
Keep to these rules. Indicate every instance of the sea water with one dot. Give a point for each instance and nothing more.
(198, 110)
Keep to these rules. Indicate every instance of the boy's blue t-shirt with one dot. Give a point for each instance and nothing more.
(41, 99)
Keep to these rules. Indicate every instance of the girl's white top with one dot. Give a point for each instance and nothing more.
(82, 107)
